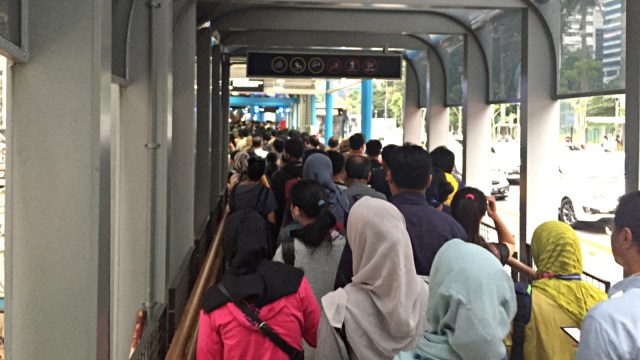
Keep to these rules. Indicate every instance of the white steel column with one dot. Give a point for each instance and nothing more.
(159, 146)
(632, 124)
(437, 122)
(183, 144)
(132, 190)
(539, 126)
(57, 256)
(412, 122)
(477, 120)
(203, 132)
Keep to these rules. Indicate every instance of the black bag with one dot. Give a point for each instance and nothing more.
(520, 321)
(266, 330)
(261, 199)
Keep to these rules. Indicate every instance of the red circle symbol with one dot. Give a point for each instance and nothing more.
(334, 66)
(352, 66)
(370, 67)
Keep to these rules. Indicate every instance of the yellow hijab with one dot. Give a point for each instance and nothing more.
(556, 249)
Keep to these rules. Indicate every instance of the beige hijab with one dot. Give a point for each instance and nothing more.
(384, 308)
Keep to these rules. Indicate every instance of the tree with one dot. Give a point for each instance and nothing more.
(601, 106)
(388, 97)
(579, 75)
(353, 101)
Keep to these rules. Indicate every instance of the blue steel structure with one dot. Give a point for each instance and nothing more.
(328, 117)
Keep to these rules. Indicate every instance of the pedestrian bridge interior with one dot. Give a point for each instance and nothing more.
(117, 141)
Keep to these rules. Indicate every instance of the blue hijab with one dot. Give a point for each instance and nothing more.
(318, 168)
(471, 305)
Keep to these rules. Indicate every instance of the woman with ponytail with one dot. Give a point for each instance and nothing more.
(317, 245)
(468, 207)
(311, 242)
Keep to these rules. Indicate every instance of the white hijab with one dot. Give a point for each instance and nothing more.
(384, 308)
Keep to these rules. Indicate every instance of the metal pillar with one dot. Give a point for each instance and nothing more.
(412, 122)
(58, 219)
(631, 139)
(224, 124)
(328, 117)
(203, 187)
(477, 120)
(182, 171)
(366, 107)
(539, 124)
(216, 121)
(312, 105)
(437, 122)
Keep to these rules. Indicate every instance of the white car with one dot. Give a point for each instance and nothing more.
(589, 187)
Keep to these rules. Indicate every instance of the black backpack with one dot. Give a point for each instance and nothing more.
(261, 198)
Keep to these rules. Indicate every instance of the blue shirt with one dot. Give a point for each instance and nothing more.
(428, 228)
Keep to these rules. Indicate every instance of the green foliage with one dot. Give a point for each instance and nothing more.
(601, 106)
(353, 101)
(391, 92)
(579, 75)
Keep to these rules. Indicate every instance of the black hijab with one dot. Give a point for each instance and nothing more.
(251, 276)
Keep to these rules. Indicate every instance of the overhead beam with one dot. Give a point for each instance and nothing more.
(365, 21)
(319, 39)
(225, 6)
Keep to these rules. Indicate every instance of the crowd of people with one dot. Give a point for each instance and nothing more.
(356, 251)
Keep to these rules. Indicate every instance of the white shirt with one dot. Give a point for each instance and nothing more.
(611, 329)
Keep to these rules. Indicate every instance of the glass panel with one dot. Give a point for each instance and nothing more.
(501, 37)
(451, 50)
(500, 34)
(591, 175)
(589, 37)
(10, 20)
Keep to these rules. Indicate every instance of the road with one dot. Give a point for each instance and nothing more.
(596, 243)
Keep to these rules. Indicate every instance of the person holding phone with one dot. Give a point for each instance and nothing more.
(610, 329)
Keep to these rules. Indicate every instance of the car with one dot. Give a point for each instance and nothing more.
(499, 184)
(589, 185)
(507, 159)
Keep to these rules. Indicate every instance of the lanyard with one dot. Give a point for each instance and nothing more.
(569, 277)
(547, 275)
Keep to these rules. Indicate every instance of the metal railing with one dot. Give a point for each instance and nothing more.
(600, 283)
(183, 345)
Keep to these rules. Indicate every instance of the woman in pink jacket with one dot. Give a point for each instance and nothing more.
(278, 294)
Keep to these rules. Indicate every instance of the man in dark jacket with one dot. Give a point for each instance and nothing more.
(291, 169)
(409, 175)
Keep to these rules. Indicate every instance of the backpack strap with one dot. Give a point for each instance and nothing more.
(288, 251)
(264, 328)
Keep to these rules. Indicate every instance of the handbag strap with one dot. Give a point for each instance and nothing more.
(264, 328)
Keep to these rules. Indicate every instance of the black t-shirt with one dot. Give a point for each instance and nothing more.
(255, 196)
(278, 180)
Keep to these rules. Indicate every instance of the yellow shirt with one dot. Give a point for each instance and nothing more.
(455, 185)
(544, 340)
